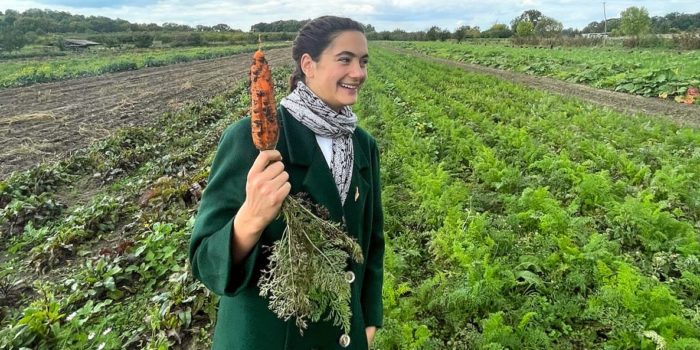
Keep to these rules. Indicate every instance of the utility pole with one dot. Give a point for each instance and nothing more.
(605, 22)
(605, 25)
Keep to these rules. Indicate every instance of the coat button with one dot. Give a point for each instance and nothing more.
(350, 276)
(344, 340)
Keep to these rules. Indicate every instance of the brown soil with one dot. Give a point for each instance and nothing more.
(46, 121)
(686, 115)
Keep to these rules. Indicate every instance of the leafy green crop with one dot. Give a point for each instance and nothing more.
(657, 73)
(544, 221)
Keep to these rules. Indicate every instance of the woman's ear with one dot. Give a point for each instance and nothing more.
(308, 66)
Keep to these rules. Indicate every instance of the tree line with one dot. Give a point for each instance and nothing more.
(18, 29)
(672, 23)
(49, 21)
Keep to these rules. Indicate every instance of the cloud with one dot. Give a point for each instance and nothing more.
(383, 15)
(98, 3)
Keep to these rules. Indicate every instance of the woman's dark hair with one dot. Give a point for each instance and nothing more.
(314, 37)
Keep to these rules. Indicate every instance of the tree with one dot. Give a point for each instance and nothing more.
(143, 40)
(571, 32)
(660, 25)
(464, 32)
(532, 16)
(459, 34)
(524, 29)
(30, 37)
(11, 39)
(278, 26)
(635, 21)
(221, 27)
(548, 27)
(498, 30)
(541, 25)
(444, 35)
(111, 41)
(10, 17)
(434, 33)
(369, 29)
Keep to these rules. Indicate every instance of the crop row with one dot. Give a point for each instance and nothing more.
(658, 73)
(517, 220)
(28, 72)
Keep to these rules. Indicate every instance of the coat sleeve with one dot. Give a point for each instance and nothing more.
(374, 273)
(210, 250)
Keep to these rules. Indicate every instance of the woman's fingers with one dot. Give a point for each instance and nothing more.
(267, 183)
(272, 171)
(263, 159)
(279, 180)
(283, 191)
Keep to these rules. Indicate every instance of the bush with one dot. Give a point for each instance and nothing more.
(119, 66)
(687, 41)
(648, 41)
(558, 41)
(188, 39)
(143, 40)
(111, 41)
(11, 39)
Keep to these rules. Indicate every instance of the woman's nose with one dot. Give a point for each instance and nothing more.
(358, 71)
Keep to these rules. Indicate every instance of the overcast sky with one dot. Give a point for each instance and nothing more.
(409, 15)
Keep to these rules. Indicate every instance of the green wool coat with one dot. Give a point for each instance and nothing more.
(244, 320)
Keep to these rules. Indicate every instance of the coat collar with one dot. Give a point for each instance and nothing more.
(301, 142)
(303, 150)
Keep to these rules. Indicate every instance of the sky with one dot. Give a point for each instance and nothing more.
(410, 15)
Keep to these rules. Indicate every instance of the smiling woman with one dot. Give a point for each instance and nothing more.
(322, 152)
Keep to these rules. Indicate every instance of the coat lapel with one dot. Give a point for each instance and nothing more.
(313, 176)
(354, 207)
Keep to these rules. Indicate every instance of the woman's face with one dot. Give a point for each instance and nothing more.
(340, 71)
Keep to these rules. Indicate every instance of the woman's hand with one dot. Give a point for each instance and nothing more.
(266, 189)
(370, 335)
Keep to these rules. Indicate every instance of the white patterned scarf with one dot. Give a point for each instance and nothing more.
(316, 115)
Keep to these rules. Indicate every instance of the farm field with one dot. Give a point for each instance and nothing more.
(685, 114)
(515, 219)
(24, 72)
(537, 221)
(94, 247)
(43, 121)
(655, 73)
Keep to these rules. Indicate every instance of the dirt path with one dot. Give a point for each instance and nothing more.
(687, 115)
(44, 121)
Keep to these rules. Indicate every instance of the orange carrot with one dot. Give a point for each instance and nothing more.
(264, 124)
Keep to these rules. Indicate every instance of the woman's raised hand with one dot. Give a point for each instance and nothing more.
(266, 188)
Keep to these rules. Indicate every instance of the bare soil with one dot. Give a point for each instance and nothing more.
(685, 115)
(47, 121)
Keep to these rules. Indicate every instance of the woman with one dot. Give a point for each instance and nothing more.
(322, 152)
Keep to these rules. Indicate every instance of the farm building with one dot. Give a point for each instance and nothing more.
(78, 43)
(595, 35)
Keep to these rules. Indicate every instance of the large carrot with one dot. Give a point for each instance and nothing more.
(263, 113)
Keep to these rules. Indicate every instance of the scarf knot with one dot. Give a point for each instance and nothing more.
(316, 115)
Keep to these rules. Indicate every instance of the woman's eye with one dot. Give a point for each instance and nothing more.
(345, 59)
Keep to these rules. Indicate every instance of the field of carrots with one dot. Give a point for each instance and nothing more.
(515, 219)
